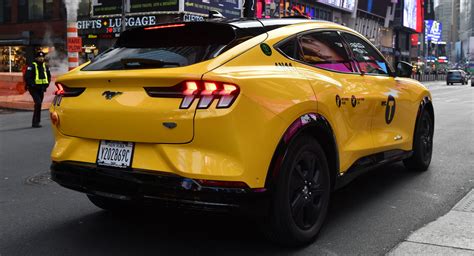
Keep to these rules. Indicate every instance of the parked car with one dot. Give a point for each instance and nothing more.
(456, 76)
(266, 117)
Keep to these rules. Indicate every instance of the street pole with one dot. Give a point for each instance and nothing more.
(125, 10)
(10, 58)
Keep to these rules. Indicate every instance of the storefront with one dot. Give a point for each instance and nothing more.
(12, 58)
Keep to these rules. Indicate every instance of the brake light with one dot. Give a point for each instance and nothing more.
(191, 88)
(165, 26)
(205, 91)
(59, 90)
(64, 91)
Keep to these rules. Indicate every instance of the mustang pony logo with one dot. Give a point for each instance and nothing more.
(109, 95)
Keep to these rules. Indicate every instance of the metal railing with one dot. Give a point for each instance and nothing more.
(429, 77)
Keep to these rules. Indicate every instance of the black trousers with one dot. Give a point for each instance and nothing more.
(37, 94)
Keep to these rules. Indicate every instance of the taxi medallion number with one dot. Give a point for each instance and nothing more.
(115, 154)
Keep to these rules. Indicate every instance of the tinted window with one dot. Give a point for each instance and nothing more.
(324, 50)
(166, 45)
(369, 60)
(289, 48)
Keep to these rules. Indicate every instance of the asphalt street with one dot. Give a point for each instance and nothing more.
(368, 217)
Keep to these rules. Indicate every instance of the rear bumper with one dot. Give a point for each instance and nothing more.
(164, 189)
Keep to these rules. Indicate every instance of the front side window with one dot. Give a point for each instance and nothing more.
(325, 50)
(370, 62)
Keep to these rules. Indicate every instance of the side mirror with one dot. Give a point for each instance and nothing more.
(404, 69)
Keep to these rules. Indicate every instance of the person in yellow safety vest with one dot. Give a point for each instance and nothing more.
(37, 79)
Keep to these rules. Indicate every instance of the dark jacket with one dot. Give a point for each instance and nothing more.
(30, 75)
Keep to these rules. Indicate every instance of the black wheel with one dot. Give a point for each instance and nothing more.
(422, 145)
(109, 204)
(301, 197)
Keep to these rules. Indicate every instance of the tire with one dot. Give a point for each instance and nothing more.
(301, 196)
(422, 145)
(109, 204)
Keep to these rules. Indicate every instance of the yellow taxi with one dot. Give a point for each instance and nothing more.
(262, 117)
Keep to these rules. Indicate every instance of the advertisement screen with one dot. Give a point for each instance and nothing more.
(433, 30)
(410, 11)
(344, 4)
(348, 5)
(114, 7)
(377, 7)
(228, 8)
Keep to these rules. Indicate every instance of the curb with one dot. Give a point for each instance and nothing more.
(450, 234)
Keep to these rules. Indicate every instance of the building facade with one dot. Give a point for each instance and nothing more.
(466, 34)
(27, 26)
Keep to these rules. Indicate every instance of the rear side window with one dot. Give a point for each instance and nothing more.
(324, 50)
(370, 62)
(165, 46)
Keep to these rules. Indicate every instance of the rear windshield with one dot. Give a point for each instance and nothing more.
(454, 73)
(166, 45)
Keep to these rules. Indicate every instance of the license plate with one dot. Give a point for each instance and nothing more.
(115, 153)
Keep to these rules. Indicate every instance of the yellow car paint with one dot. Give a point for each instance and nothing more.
(236, 143)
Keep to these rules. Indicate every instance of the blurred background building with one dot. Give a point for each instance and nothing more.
(425, 32)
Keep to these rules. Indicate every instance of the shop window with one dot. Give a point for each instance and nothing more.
(12, 57)
(369, 61)
(325, 50)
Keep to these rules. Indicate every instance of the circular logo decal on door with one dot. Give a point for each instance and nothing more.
(390, 109)
(266, 49)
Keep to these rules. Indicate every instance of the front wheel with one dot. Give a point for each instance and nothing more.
(301, 197)
(422, 145)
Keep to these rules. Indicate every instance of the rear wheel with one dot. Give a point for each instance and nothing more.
(423, 144)
(109, 204)
(301, 197)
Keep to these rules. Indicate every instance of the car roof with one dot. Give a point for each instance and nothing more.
(259, 26)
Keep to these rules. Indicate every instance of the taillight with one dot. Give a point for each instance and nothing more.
(205, 91)
(64, 91)
(59, 90)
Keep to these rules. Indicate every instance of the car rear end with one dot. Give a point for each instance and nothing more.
(454, 77)
(143, 122)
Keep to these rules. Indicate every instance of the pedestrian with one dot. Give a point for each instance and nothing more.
(37, 79)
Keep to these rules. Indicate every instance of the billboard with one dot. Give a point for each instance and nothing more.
(410, 11)
(433, 30)
(228, 8)
(377, 7)
(114, 7)
(348, 5)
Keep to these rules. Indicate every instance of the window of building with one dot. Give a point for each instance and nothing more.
(325, 50)
(22, 10)
(35, 10)
(5, 11)
(368, 59)
(48, 9)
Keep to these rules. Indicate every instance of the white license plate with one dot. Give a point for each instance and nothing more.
(115, 154)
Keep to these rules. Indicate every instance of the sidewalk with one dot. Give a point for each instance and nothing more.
(11, 97)
(451, 234)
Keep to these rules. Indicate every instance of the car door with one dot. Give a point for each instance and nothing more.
(391, 125)
(340, 90)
